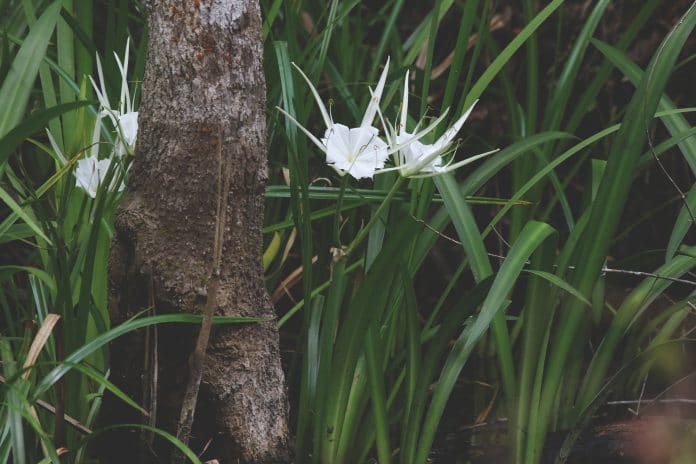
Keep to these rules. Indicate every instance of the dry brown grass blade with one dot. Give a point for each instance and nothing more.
(39, 342)
(289, 282)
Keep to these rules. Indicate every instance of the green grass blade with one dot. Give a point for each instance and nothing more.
(31, 125)
(413, 346)
(84, 351)
(65, 52)
(330, 324)
(476, 253)
(270, 16)
(605, 213)
(537, 318)
(532, 236)
(366, 307)
(532, 68)
(474, 182)
(560, 283)
(682, 225)
(40, 274)
(418, 38)
(428, 68)
(375, 378)
(466, 227)
(15, 90)
(310, 375)
(19, 211)
(632, 307)
(501, 60)
(675, 124)
(436, 351)
(565, 83)
(185, 450)
(386, 33)
(104, 382)
(14, 403)
(47, 87)
(461, 46)
(586, 102)
(495, 163)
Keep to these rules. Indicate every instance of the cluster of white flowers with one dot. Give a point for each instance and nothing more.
(360, 152)
(91, 171)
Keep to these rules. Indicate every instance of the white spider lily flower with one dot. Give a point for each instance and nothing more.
(128, 133)
(416, 159)
(128, 125)
(123, 118)
(358, 151)
(90, 172)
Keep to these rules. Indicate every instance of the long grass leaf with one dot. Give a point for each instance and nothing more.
(14, 403)
(560, 283)
(31, 125)
(15, 90)
(605, 215)
(472, 242)
(87, 349)
(675, 124)
(531, 237)
(19, 211)
(501, 60)
(633, 306)
(375, 378)
(178, 444)
(565, 83)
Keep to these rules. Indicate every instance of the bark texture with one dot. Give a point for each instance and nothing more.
(198, 180)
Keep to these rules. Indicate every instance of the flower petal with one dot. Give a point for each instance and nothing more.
(128, 124)
(375, 98)
(404, 107)
(452, 132)
(322, 108)
(302, 128)
(338, 145)
(357, 151)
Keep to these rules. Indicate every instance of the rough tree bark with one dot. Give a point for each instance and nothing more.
(188, 236)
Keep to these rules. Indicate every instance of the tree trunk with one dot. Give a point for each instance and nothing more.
(188, 237)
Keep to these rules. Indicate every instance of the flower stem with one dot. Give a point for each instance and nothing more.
(337, 216)
(375, 217)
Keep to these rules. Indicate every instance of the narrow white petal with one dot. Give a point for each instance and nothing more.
(128, 125)
(124, 103)
(384, 123)
(471, 159)
(420, 134)
(338, 144)
(383, 170)
(301, 127)
(94, 149)
(102, 82)
(87, 175)
(452, 132)
(322, 108)
(404, 107)
(103, 100)
(375, 98)
(126, 55)
(56, 149)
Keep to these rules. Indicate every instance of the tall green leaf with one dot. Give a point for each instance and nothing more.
(16, 88)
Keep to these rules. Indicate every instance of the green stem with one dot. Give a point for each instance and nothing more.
(362, 235)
